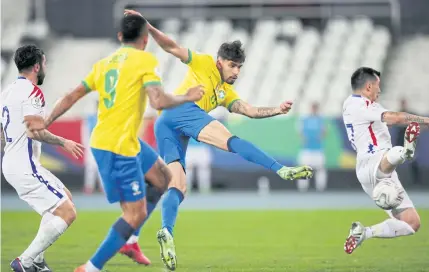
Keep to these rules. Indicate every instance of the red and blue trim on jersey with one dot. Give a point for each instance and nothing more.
(37, 92)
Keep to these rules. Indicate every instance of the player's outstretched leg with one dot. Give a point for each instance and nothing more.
(408, 223)
(218, 135)
(55, 224)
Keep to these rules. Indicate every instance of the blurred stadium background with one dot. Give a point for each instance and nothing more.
(303, 50)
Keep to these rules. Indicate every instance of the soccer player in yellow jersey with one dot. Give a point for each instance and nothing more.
(176, 125)
(124, 80)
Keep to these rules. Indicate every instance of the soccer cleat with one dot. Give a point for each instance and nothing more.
(134, 252)
(410, 140)
(17, 266)
(168, 250)
(42, 267)
(355, 238)
(291, 173)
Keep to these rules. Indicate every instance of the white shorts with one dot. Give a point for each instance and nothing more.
(42, 191)
(366, 171)
(312, 158)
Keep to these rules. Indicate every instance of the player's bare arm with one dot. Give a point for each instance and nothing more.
(403, 118)
(45, 136)
(65, 103)
(244, 108)
(166, 43)
(161, 100)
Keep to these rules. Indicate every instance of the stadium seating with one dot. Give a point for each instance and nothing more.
(286, 59)
(408, 76)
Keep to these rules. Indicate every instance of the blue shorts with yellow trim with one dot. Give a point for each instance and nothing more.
(174, 127)
(123, 177)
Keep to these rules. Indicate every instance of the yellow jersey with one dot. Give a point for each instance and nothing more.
(203, 71)
(120, 80)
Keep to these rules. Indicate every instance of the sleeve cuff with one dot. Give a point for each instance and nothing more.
(230, 104)
(189, 57)
(151, 83)
(87, 88)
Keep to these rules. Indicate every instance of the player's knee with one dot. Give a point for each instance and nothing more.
(134, 212)
(415, 223)
(68, 193)
(411, 217)
(66, 211)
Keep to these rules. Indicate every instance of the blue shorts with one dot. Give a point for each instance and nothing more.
(174, 127)
(123, 177)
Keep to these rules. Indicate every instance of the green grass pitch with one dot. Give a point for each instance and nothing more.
(307, 241)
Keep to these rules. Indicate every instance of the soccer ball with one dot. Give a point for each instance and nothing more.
(387, 195)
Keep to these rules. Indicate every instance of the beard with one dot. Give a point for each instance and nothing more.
(40, 77)
(230, 81)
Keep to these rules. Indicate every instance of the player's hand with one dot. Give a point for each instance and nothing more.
(285, 107)
(34, 123)
(131, 12)
(73, 148)
(195, 93)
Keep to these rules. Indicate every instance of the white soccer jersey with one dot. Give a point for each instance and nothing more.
(20, 99)
(362, 118)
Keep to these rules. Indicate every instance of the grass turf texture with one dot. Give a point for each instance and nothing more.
(310, 241)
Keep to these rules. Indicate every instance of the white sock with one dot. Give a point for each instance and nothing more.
(395, 155)
(90, 267)
(321, 180)
(48, 233)
(133, 239)
(45, 219)
(389, 228)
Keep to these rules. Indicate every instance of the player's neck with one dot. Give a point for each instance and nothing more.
(129, 45)
(30, 77)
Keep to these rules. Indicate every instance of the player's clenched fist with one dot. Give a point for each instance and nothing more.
(73, 148)
(286, 106)
(195, 93)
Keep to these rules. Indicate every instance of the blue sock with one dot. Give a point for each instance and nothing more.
(170, 207)
(115, 239)
(253, 154)
(150, 207)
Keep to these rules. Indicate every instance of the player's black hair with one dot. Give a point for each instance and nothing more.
(132, 27)
(232, 51)
(27, 56)
(362, 75)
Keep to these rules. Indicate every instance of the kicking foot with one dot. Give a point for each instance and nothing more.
(168, 250)
(134, 252)
(410, 140)
(355, 238)
(17, 266)
(300, 172)
(42, 267)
